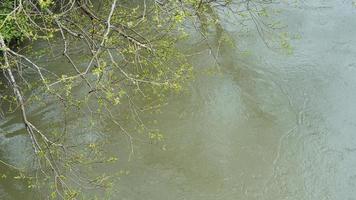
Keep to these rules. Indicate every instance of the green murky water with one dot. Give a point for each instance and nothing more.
(267, 126)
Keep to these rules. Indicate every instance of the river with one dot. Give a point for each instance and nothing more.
(258, 123)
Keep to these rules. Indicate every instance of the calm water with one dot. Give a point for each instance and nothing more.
(263, 125)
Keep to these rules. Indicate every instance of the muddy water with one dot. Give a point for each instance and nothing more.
(259, 123)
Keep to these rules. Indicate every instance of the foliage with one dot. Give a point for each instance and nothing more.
(10, 25)
(17, 23)
(129, 54)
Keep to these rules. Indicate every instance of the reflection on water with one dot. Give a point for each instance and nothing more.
(265, 126)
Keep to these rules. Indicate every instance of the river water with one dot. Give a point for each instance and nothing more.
(257, 124)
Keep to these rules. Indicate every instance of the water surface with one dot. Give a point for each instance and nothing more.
(258, 124)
